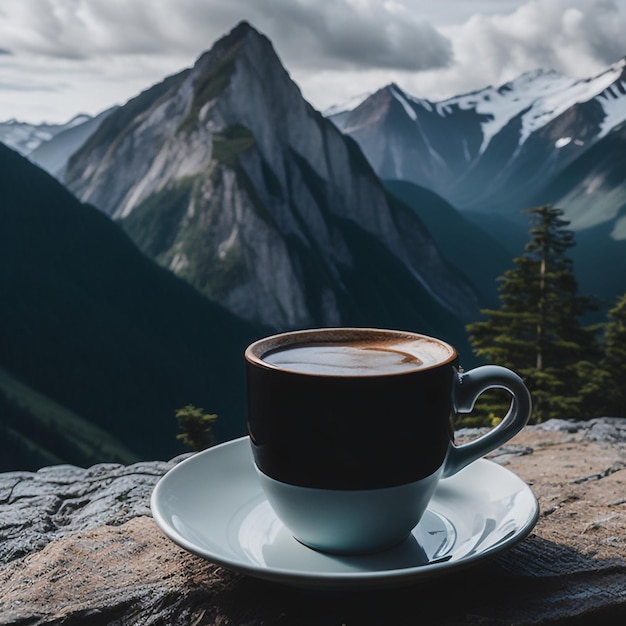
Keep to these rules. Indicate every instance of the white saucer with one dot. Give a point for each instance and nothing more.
(212, 505)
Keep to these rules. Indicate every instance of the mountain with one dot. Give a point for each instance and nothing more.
(592, 188)
(224, 174)
(25, 137)
(486, 151)
(51, 145)
(100, 345)
(473, 252)
(53, 154)
(492, 153)
(36, 431)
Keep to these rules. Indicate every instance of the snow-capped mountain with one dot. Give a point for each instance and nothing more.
(541, 138)
(481, 149)
(539, 97)
(51, 145)
(24, 137)
(53, 155)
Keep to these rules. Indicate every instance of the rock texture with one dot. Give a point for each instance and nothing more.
(79, 546)
(227, 176)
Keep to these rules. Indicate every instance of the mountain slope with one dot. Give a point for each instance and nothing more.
(592, 189)
(229, 178)
(593, 186)
(93, 324)
(471, 250)
(52, 155)
(25, 137)
(36, 431)
(542, 138)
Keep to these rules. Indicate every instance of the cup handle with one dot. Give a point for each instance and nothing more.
(466, 389)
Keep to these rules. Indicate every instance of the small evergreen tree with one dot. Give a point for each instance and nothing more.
(537, 331)
(196, 426)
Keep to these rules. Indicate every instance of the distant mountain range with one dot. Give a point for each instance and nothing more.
(505, 142)
(490, 154)
(25, 137)
(53, 155)
(542, 138)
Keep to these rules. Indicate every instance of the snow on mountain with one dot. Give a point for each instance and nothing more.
(613, 100)
(479, 150)
(541, 138)
(338, 111)
(540, 97)
(346, 105)
(24, 137)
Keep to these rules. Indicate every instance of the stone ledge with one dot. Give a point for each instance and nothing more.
(79, 546)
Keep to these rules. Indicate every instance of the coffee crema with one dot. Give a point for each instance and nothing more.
(359, 357)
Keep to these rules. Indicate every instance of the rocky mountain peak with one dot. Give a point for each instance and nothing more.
(243, 37)
(228, 177)
(372, 110)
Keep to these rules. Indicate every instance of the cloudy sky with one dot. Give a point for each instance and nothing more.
(62, 57)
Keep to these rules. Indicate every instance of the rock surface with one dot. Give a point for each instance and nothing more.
(79, 546)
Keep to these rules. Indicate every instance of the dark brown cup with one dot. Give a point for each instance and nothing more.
(352, 430)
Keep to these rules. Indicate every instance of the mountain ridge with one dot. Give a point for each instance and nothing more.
(260, 202)
(490, 127)
(541, 138)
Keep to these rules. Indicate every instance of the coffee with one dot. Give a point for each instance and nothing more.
(359, 355)
(351, 429)
(343, 360)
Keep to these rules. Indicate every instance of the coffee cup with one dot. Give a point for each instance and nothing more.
(352, 429)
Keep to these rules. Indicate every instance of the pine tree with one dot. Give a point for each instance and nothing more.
(537, 331)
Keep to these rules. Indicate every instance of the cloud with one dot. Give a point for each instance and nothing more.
(94, 53)
(18, 86)
(545, 33)
(576, 38)
(354, 34)
(336, 33)
(602, 28)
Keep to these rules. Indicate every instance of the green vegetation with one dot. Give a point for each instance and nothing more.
(570, 371)
(162, 225)
(212, 272)
(230, 143)
(35, 431)
(196, 426)
(216, 275)
(154, 223)
(211, 84)
(604, 388)
(613, 362)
